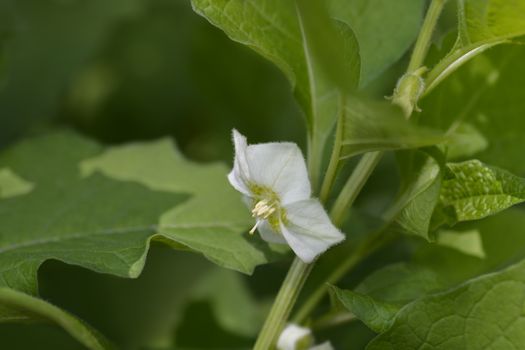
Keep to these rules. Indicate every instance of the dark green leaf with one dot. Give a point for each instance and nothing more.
(105, 222)
(483, 313)
(384, 29)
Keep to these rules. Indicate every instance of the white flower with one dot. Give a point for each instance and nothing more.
(295, 337)
(274, 180)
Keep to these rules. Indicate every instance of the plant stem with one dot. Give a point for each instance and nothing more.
(364, 249)
(314, 153)
(283, 304)
(425, 35)
(353, 186)
(361, 174)
(333, 165)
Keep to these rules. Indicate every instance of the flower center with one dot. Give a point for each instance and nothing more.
(262, 211)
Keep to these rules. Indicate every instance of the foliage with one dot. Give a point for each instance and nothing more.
(119, 229)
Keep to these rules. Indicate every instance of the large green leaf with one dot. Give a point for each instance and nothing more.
(481, 25)
(483, 313)
(20, 307)
(274, 29)
(384, 29)
(105, 222)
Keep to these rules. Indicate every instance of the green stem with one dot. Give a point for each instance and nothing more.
(283, 304)
(364, 249)
(361, 174)
(314, 162)
(425, 35)
(333, 165)
(353, 186)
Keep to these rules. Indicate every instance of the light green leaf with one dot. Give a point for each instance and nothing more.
(211, 222)
(475, 190)
(465, 141)
(385, 30)
(272, 28)
(468, 242)
(20, 307)
(481, 25)
(105, 222)
(226, 291)
(483, 313)
(378, 125)
(12, 185)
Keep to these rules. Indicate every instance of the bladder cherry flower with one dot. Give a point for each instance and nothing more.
(274, 180)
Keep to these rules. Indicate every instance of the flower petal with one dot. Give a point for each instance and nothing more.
(240, 174)
(280, 167)
(308, 229)
(269, 235)
(292, 336)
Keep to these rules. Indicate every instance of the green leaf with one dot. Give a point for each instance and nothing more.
(485, 93)
(481, 25)
(272, 28)
(468, 242)
(399, 283)
(226, 291)
(503, 244)
(105, 222)
(465, 141)
(482, 313)
(20, 307)
(327, 41)
(210, 222)
(418, 197)
(384, 29)
(12, 185)
(378, 298)
(377, 315)
(475, 190)
(378, 125)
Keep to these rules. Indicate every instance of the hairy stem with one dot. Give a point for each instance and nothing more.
(353, 186)
(283, 304)
(425, 35)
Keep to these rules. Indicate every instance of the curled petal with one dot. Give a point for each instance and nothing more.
(240, 174)
(280, 167)
(308, 229)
